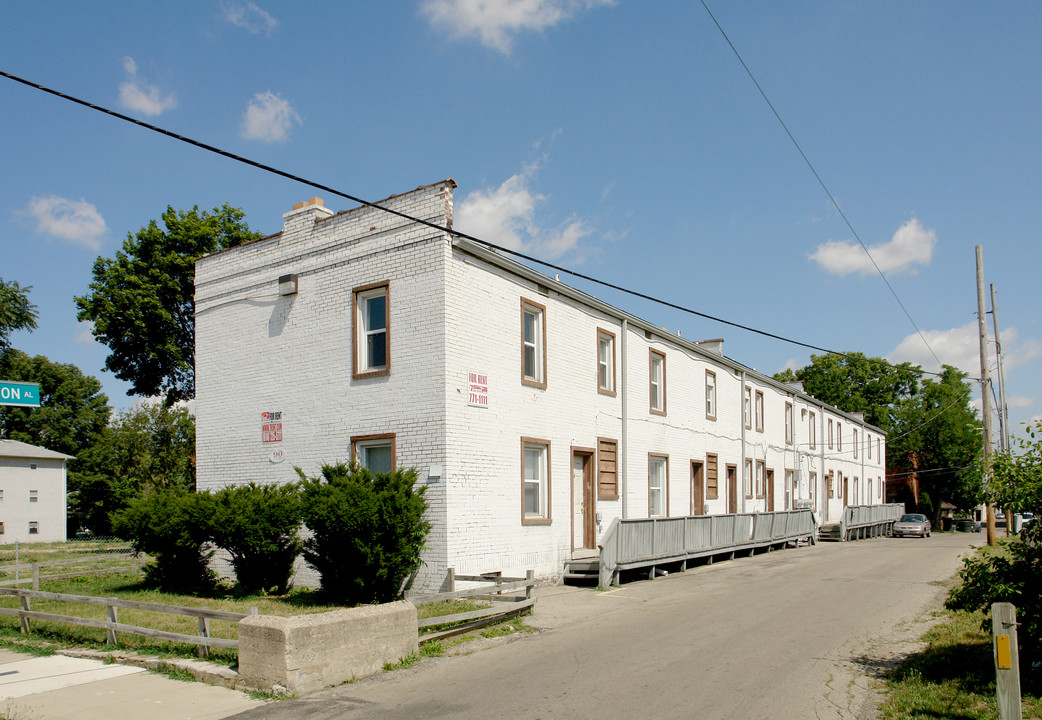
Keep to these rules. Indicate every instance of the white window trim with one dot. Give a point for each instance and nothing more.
(605, 362)
(542, 481)
(363, 334)
(657, 382)
(537, 376)
(710, 395)
(662, 488)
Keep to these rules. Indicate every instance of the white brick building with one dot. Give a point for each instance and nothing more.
(33, 484)
(534, 412)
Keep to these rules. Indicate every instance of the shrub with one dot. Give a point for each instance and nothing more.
(172, 526)
(1014, 576)
(367, 530)
(257, 525)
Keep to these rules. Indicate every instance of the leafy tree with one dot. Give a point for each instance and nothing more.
(853, 382)
(16, 312)
(367, 530)
(142, 301)
(172, 526)
(1016, 482)
(73, 411)
(938, 434)
(151, 447)
(257, 525)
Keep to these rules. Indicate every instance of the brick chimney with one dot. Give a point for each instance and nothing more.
(304, 215)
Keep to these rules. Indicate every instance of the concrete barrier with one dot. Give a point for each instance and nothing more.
(306, 653)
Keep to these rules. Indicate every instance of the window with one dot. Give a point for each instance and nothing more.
(879, 487)
(34, 527)
(788, 423)
(759, 411)
(747, 478)
(868, 445)
(607, 469)
(1, 495)
(869, 490)
(375, 452)
(657, 374)
(533, 344)
(710, 395)
(855, 442)
(34, 496)
(760, 485)
(813, 485)
(839, 436)
(1, 528)
(831, 435)
(605, 362)
(830, 491)
(747, 409)
(535, 482)
(879, 452)
(371, 344)
(812, 432)
(712, 477)
(32, 466)
(658, 480)
(790, 490)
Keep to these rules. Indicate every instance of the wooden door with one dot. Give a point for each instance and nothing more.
(732, 489)
(770, 490)
(584, 497)
(843, 481)
(698, 494)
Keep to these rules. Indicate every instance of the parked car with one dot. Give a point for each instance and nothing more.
(1029, 517)
(912, 526)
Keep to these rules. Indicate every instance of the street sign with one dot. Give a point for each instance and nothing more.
(22, 394)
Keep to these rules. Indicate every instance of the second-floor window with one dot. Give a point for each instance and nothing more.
(372, 337)
(658, 382)
(812, 432)
(788, 423)
(605, 362)
(710, 395)
(533, 344)
(759, 411)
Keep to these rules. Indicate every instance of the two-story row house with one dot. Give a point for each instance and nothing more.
(534, 412)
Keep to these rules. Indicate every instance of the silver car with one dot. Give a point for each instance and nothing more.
(912, 526)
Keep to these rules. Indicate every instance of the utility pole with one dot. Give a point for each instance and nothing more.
(1003, 409)
(985, 383)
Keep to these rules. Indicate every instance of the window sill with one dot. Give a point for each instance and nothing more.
(536, 521)
(371, 374)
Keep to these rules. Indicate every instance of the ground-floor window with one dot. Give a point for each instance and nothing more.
(535, 481)
(658, 478)
(34, 527)
(375, 452)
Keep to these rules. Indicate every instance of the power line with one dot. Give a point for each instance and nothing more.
(325, 188)
(821, 182)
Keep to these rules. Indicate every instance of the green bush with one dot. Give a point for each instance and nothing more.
(1013, 576)
(367, 530)
(257, 525)
(172, 526)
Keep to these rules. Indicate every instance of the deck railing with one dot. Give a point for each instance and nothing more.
(652, 541)
(861, 521)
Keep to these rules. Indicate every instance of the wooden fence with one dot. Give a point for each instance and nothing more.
(639, 543)
(112, 626)
(506, 592)
(121, 562)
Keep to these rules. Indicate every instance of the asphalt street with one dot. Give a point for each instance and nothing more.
(790, 634)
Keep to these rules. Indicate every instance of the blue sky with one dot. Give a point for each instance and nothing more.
(623, 139)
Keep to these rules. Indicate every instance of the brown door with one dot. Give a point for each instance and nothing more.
(843, 481)
(698, 495)
(732, 489)
(770, 490)
(585, 497)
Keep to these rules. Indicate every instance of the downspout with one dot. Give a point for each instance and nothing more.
(741, 422)
(623, 485)
(821, 454)
(864, 478)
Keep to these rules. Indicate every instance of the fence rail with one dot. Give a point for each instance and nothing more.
(649, 542)
(112, 626)
(127, 563)
(492, 589)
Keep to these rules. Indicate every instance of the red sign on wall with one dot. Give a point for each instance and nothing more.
(477, 394)
(271, 427)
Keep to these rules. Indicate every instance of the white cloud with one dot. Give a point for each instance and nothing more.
(961, 347)
(793, 364)
(136, 95)
(910, 246)
(495, 22)
(506, 216)
(75, 221)
(249, 17)
(1019, 401)
(268, 118)
(85, 332)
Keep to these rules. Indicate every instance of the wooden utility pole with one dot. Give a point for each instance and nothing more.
(985, 387)
(1003, 410)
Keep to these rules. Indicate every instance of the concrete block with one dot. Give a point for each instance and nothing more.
(306, 653)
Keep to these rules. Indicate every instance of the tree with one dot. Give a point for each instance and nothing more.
(16, 312)
(938, 435)
(73, 411)
(142, 302)
(853, 382)
(1016, 482)
(151, 447)
(367, 530)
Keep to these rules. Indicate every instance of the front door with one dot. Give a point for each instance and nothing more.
(770, 490)
(732, 489)
(584, 500)
(844, 481)
(698, 494)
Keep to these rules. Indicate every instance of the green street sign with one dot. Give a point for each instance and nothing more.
(22, 394)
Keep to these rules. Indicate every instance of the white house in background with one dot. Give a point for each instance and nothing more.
(32, 493)
(534, 412)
